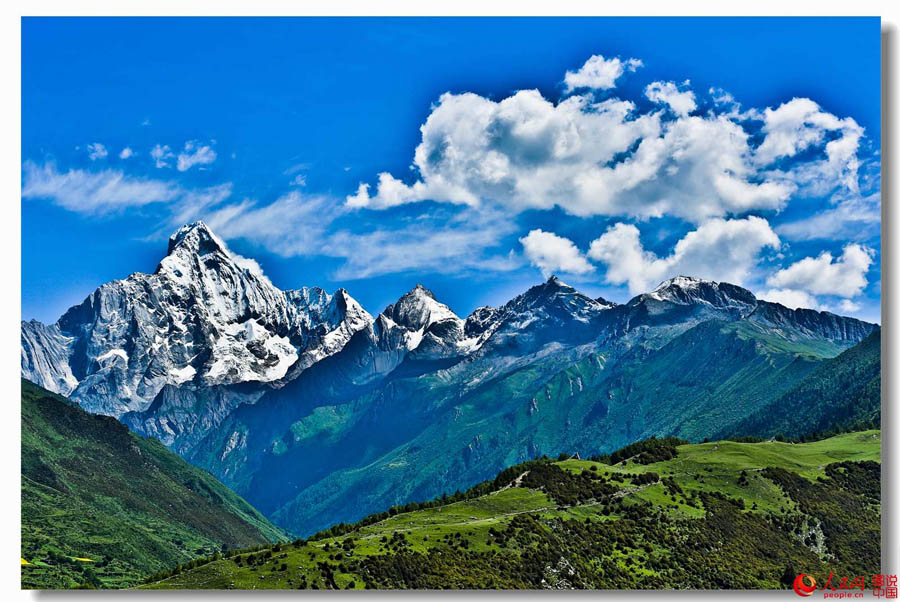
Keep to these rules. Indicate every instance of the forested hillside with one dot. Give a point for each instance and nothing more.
(103, 507)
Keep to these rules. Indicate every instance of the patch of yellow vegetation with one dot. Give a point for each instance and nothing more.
(83, 559)
(24, 562)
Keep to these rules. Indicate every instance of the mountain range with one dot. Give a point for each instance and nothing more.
(317, 412)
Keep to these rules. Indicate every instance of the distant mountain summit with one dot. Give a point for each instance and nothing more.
(418, 309)
(687, 290)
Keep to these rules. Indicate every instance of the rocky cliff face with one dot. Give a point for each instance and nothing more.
(45, 357)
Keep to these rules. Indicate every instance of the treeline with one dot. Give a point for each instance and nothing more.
(646, 451)
(566, 488)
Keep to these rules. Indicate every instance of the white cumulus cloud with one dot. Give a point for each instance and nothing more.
(680, 99)
(126, 153)
(723, 250)
(846, 305)
(790, 298)
(610, 158)
(161, 154)
(599, 73)
(588, 158)
(551, 253)
(843, 276)
(800, 124)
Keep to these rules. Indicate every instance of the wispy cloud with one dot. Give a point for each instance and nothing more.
(111, 191)
(191, 205)
(853, 217)
(297, 224)
(293, 225)
(447, 246)
(94, 193)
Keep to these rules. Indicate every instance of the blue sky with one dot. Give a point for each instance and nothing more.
(613, 152)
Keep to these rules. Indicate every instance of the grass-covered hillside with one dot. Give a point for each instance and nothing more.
(103, 507)
(660, 515)
(843, 393)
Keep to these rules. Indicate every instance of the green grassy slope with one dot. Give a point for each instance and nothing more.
(122, 504)
(844, 393)
(716, 515)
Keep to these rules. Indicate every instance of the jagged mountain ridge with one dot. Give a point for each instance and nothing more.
(302, 401)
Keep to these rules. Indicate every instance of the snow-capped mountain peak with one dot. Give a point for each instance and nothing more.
(196, 237)
(208, 319)
(687, 290)
(354, 314)
(205, 317)
(194, 248)
(555, 293)
(418, 309)
(683, 282)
